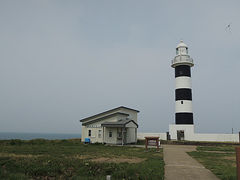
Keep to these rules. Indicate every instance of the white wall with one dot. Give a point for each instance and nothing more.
(83, 135)
(94, 134)
(142, 136)
(217, 137)
(189, 134)
(131, 135)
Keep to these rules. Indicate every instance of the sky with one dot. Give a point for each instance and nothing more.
(61, 61)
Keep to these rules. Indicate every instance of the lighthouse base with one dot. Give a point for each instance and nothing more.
(181, 132)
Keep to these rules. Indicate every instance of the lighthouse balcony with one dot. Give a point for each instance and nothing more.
(182, 60)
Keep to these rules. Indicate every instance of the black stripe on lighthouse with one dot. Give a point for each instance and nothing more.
(184, 118)
(182, 70)
(183, 94)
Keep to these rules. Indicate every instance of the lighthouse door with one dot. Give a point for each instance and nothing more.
(180, 135)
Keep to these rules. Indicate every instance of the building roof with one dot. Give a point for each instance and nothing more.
(120, 123)
(107, 112)
(103, 117)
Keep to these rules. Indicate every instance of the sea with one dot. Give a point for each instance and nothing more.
(29, 136)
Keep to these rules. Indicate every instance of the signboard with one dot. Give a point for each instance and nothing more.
(151, 141)
(94, 126)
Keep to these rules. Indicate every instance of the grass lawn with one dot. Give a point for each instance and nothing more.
(70, 159)
(221, 160)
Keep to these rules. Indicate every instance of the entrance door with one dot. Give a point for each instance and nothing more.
(180, 135)
(124, 135)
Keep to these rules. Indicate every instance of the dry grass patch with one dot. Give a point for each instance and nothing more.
(19, 155)
(220, 152)
(118, 160)
(232, 158)
(82, 156)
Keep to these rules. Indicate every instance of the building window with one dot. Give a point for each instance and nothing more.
(181, 102)
(110, 134)
(89, 133)
(99, 133)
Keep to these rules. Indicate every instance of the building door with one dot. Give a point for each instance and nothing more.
(168, 136)
(180, 135)
(124, 136)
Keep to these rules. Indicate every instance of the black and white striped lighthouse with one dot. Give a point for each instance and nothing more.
(183, 91)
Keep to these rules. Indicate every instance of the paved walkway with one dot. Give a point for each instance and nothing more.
(179, 165)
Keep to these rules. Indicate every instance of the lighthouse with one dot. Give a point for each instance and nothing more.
(183, 129)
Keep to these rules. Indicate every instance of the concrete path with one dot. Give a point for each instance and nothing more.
(179, 165)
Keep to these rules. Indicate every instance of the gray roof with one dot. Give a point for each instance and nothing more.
(120, 123)
(106, 112)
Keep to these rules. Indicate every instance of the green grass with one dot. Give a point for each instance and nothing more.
(221, 161)
(70, 159)
(224, 148)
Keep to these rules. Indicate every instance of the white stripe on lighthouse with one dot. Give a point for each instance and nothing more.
(183, 82)
(183, 106)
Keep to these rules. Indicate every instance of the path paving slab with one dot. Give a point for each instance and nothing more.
(179, 165)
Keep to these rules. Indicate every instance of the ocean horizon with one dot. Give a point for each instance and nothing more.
(30, 136)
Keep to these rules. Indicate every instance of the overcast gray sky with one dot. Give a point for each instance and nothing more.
(65, 60)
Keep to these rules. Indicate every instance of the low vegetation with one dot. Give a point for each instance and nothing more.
(70, 159)
(221, 160)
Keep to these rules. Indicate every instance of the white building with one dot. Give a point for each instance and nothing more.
(115, 126)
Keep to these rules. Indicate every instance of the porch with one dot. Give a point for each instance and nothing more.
(120, 132)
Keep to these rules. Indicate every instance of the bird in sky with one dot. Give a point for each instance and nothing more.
(228, 27)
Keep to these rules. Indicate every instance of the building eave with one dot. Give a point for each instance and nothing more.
(117, 124)
(104, 117)
(106, 112)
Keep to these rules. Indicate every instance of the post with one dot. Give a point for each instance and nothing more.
(238, 162)
(122, 136)
(146, 143)
(239, 136)
(157, 141)
(103, 136)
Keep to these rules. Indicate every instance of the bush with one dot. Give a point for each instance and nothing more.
(15, 142)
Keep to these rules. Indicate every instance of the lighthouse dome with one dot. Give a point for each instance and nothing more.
(181, 44)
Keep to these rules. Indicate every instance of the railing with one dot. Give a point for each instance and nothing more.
(182, 60)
